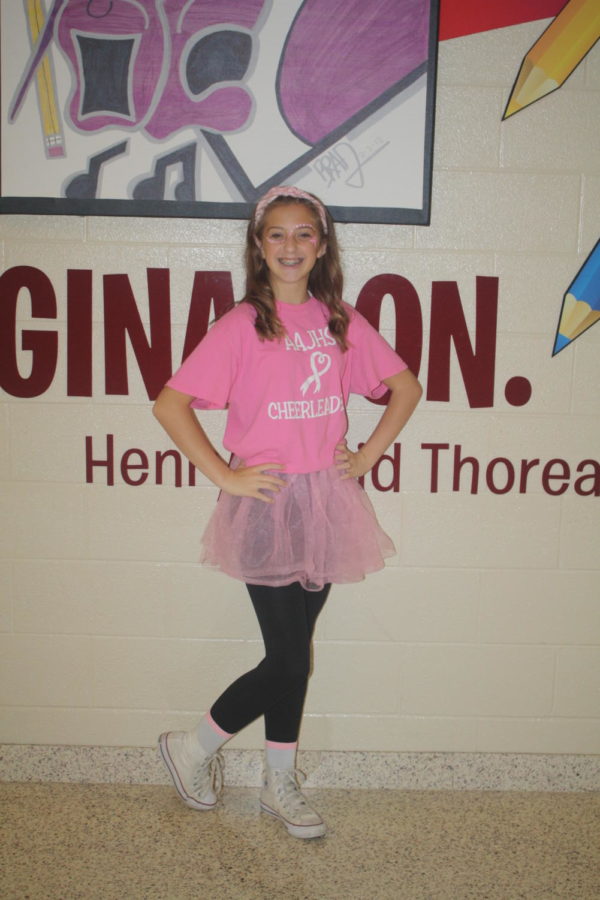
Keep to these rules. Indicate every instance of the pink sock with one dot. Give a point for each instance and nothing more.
(280, 756)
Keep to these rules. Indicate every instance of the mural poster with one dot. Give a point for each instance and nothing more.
(196, 107)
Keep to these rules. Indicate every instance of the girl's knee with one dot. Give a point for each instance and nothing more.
(288, 674)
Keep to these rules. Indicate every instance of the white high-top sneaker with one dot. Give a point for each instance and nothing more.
(198, 778)
(282, 798)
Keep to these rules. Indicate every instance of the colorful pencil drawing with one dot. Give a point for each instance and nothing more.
(546, 66)
(556, 54)
(50, 119)
(581, 303)
(217, 100)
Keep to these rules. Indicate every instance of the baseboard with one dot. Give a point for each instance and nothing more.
(347, 769)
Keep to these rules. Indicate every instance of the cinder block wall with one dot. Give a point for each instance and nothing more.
(483, 635)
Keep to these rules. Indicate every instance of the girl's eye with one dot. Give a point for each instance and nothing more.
(304, 234)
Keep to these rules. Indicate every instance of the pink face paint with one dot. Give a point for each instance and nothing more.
(312, 239)
(303, 234)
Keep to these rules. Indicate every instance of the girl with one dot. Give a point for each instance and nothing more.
(291, 517)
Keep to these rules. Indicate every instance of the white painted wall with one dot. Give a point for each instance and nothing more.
(484, 633)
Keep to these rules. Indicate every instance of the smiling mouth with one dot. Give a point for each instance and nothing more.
(290, 262)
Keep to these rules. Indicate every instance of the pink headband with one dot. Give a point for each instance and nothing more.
(288, 191)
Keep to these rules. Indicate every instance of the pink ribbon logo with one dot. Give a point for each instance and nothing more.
(319, 363)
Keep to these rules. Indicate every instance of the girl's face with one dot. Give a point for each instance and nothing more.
(290, 245)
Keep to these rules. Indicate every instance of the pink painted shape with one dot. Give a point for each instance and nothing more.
(342, 55)
(120, 18)
(223, 109)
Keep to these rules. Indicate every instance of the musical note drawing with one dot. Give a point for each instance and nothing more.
(155, 188)
(85, 185)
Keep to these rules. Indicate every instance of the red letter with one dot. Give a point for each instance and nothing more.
(109, 462)
(448, 324)
(409, 322)
(526, 465)
(394, 484)
(160, 457)
(79, 332)
(126, 466)
(209, 288)
(458, 464)
(42, 344)
(547, 476)
(435, 448)
(510, 475)
(121, 317)
(594, 475)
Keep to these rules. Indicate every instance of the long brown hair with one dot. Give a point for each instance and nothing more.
(325, 281)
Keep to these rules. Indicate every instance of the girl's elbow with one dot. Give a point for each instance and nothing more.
(171, 404)
(413, 387)
(158, 407)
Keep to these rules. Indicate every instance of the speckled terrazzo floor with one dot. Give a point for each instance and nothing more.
(131, 841)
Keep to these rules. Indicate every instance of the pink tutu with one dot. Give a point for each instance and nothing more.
(319, 529)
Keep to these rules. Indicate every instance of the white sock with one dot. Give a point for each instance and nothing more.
(280, 756)
(210, 736)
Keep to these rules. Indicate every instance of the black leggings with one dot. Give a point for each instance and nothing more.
(276, 688)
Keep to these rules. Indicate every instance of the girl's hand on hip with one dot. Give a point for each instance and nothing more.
(253, 481)
(351, 465)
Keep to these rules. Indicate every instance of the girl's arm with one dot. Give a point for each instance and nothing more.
(173, 411)
(405, 394)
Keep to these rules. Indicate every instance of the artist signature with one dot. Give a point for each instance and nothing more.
(343, 161)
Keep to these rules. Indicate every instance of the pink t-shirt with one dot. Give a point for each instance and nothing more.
(286, 399)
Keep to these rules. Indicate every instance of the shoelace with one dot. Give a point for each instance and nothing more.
(212, 770)
(289, 793)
